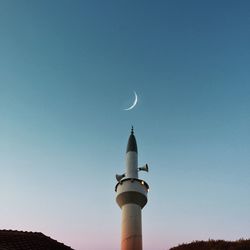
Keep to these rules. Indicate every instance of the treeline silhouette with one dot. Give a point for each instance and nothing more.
(215, 245)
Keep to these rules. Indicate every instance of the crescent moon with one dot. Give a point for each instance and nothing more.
(135, 102)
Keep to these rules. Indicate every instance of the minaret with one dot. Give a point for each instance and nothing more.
(131, 197)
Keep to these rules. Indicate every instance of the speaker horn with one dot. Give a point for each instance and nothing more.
(119, 176)
(144, 168)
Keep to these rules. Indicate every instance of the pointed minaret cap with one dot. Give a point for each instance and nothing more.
(132, 146)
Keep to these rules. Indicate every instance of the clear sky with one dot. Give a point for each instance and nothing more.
(67, 71)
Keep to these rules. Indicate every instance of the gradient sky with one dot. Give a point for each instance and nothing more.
(67, 71)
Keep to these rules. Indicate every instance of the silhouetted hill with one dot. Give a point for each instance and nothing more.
(215, 245)
(19, 240)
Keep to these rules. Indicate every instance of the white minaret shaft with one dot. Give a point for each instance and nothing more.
(131, 197)
(131, 227)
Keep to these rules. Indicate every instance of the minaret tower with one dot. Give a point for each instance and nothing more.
(131, 198)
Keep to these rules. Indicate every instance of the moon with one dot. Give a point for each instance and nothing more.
(134, 103)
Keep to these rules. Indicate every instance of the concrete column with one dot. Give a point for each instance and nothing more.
(131, 227)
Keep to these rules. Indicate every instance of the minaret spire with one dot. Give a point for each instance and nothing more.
(132, 145)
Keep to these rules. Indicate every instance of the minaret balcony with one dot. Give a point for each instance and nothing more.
(131, 190)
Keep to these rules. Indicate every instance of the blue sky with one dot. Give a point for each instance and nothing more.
(67, 71)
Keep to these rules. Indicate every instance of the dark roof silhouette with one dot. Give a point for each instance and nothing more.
(19, 240)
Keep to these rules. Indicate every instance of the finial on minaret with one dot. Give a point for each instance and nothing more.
(132, 146)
